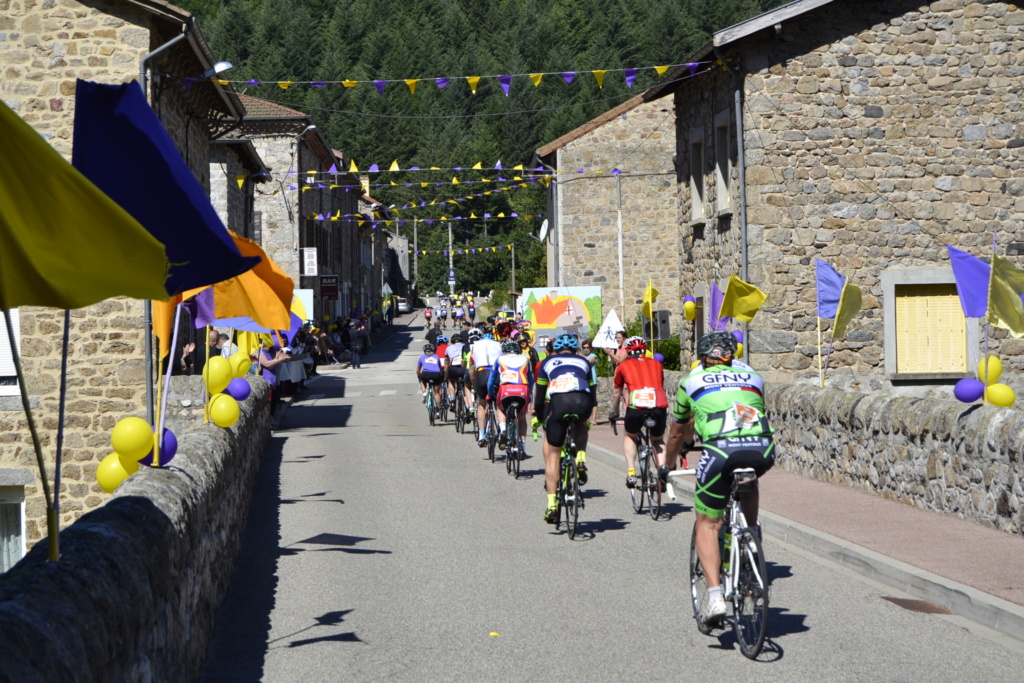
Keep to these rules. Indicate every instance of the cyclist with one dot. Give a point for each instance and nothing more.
(471, 311)
(428, 370)
(564, 377)
(456, 370)
(458, 313)
(484, 353)
(428, 312)
(511, 380)
(643, 381)
(442, 314)
(724, 405)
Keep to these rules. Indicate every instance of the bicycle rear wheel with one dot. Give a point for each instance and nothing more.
(430, 404)
(653, 486)
(750, 604)
(637, 492)
(698, 586)
(511, 438)
(444, 401)
(572, 496)
(460, 408)
(492, 435)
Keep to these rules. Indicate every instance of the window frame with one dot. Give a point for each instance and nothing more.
(918, 276)
(13, 493)
(5, 358)
(698, 184)
(723, 154)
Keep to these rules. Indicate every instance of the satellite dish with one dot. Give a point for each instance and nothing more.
(544, 230)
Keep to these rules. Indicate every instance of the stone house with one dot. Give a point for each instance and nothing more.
(302, 206)
(236, 170)
(44, 48)
(872, 134)
(612, 208)
(365, 261)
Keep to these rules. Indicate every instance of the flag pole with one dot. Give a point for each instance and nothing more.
(60, 417)
(991, 274)
(162, 415)
(51, 517)
(821, 375)
(206, 368)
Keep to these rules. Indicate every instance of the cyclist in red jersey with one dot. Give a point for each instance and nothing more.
(643, 381)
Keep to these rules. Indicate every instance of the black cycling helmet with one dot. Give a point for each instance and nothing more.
(510, 347)
(456, 339)
(717, 346)
(429, 348)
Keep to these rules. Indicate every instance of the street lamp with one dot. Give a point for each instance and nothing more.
(217, 69)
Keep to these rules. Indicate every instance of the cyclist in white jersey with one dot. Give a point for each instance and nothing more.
(456, 370)
(482, 358)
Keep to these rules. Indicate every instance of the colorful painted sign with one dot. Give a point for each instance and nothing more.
(556, 310)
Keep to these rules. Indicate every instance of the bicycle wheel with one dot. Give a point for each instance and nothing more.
(492, 434)
(698, 586)
(573, 514)
(444, 402)
(460, 425)
(511, 438)
(637, 492)
(750, 604)
(430, 404)
(653, 486)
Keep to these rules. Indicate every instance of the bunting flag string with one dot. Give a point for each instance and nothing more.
(375, 219)
(460, 252)
(478, 166)
(504, 81)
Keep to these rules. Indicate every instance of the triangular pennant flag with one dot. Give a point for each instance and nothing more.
(630, 75)
(318, 84)
(442, 82)
(353, 168)
(411, 82)
(497, 166)
(283, 85)
(455, 181)
(473, 82)
(661, 70)
(394, 166)
(240, 179)
(517, 168)
(536, 78)
(332, 169)
(478, 166)
(568, 76)
(349, 84)
(1005, 308)
(692, 66)
(972, 278)
(830, 288)
(742, 300)
(380, 85)
(506, 83)
(599, 77)
(373, 169)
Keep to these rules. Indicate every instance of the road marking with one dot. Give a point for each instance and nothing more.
(353, 394)
(389, 392)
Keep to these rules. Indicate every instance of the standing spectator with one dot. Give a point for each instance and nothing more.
(587, 349)
(360, 340)
(270, 359)
(227, 349)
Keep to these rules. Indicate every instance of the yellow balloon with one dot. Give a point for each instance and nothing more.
(995, 370)
(132, 438)
(217, 374)
(113, 470)
(1000, 395)
(240, 364)
(694, 364)
(739, 350)
(689, 310)
(224, 410)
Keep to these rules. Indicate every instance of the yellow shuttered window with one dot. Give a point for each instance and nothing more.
(931, 332)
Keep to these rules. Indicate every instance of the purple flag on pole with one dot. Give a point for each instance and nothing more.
(630, 76)
(830, 288)
(506, 83)
(442, 82)
(200, 307)
(568, 76)
(714, 322)
(380, 86)
(972, 276)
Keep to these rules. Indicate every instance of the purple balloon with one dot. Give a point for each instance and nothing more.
(969, 389)
(238, 389)
(660, 358)
(689, 298)
(738, 336)
(168, 449)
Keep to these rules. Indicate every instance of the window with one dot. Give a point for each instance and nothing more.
(12, 526)
(723, 163)
(697, 176)
(926, 334)
(8, 377)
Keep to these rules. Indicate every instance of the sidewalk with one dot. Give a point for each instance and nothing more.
(969, 569)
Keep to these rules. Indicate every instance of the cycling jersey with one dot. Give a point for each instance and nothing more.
(485, 352)
(443, 312)
(510, 369)
(563, 373)
(429, 364)
(724, 401)
(457, 313)
(644, 379)
(454, 352)
(442, 353)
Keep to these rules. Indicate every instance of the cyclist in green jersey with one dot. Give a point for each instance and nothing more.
(724, 406)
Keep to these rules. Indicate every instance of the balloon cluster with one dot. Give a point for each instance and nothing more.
(224, 378)
(689, 307)
(133, 440)
(970, 389)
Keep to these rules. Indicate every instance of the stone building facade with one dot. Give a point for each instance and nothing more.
(236, 169)
(44, 48)
(585, 196)
(875, 133)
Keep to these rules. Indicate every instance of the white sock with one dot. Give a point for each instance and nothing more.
(715, 593)
(502, 428)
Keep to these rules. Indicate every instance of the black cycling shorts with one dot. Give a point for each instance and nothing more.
(456, 372)
(480, 380)
(717, 462)
(578, 403)
(432, 378)
(634, 420)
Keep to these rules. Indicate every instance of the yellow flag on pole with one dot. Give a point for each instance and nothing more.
(849, 305)
(742, 300)
(650, 295)
(1005, 308)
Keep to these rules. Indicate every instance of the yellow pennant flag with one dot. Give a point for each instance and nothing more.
(478, 166)
(849, 304)
(353, 168)
(472, 215)
(394, 166)
(536, 78)
(650, 295)
(742, 300)
(501, 215)
(661, 70)
(349, 83)
(518, 167)
(284, 85)
(1005, 308)
(599, 76)
(455, 180)
(240, 179)
(411, 82)
(433, 201)
(473, 82)
(306, 188)
(394, 183)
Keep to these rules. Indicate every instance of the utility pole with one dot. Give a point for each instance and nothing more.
(513, 248)
(622, 286)
(451, 257)
(415, 256)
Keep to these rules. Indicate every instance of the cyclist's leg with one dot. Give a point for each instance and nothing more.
(709, 503)
(480, 379)
(632, 422)
(660, 416)
(554, 437)
(761, 458)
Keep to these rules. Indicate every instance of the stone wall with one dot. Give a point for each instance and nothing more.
(876, 132)
(638, 142)
(146, 571)
(233, 203)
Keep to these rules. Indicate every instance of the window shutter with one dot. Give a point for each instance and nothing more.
(931, 329)
(8, 377)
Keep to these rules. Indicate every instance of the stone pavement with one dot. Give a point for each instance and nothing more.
(968, 569)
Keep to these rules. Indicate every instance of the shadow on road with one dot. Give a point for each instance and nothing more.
(328, 619)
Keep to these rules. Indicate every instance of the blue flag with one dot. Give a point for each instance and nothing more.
(971, 275)
(830, 288)
(121, 146)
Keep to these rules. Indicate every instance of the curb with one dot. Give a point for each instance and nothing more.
(988, 610)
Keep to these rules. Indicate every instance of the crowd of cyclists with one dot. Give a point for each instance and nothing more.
(461, 305)
(720, 402)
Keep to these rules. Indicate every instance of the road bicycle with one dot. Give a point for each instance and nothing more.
(744, 572)
(443, 408)
(513, 453)
(431, 403)
(491, 429)
(568, 497)
(648, 484)
(460, 408)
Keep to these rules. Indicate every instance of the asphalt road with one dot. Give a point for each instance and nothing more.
(379, 548)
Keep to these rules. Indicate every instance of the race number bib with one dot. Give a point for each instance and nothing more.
(457, 361)
(564, 384)
(645, 398)
(509, 377)
(740, 417)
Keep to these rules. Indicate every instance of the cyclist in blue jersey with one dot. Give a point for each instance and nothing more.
(429, 372)
(564, 380)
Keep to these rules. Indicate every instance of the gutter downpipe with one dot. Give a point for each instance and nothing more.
(555, 229)
(742, 172)
(148, 305)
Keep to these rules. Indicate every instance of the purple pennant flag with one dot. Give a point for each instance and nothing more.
(373, 169)
(714, 322)
(445, 252)
(693, 67)
(201, 308)
(292, 188)
(254, 82)
(442, 82)
(500, 179)
(630, 76)
(319, 216)
(457, 168)
(616, 171)
(439, 184)
(380, 86)
(506, 83)
(459, 252)
(423, 202)
(430, 222)
(497, 166)
(581, 171)
(515, 215)
(333, 169)
(407, 185)
(292, 172)
(317, 84)
(539, 168)
(568, 76)
(487, 215)
(414, 168)
(189, 82)
(830, 288)
(972, 276)
(321, 186)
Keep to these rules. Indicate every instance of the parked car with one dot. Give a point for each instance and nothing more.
(404, 306)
